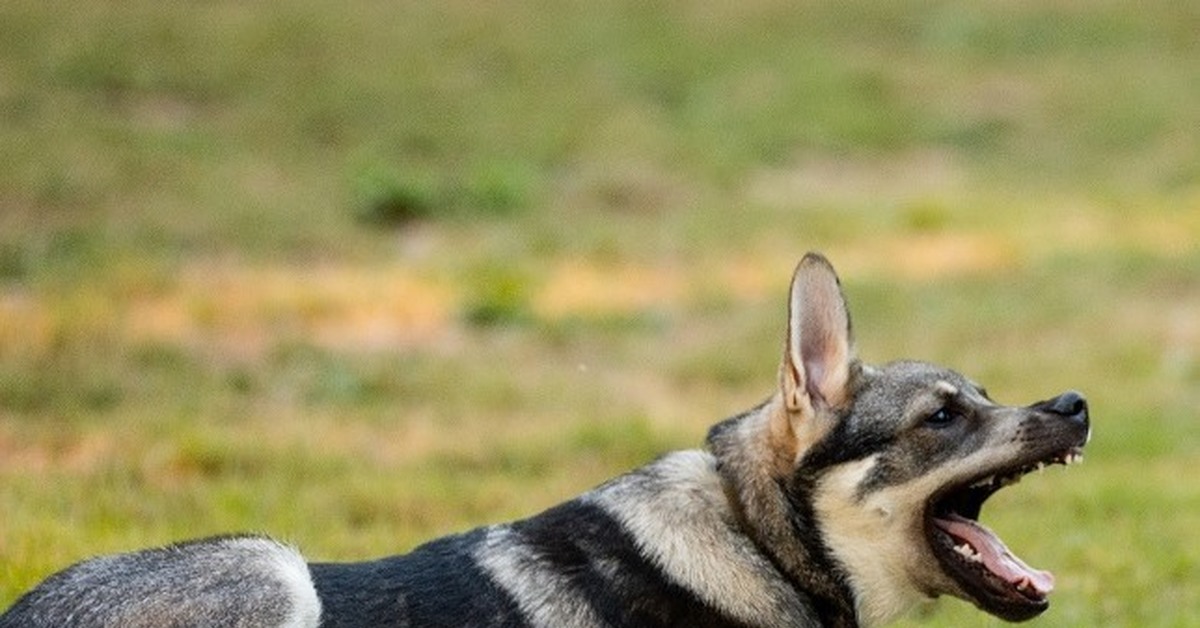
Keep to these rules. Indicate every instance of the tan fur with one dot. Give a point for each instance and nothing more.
(782, 440)
(879, 537)
(880, 542)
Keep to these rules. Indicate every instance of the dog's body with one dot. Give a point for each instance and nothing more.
(844, 499)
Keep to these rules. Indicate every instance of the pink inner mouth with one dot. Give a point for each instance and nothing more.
(996, 557)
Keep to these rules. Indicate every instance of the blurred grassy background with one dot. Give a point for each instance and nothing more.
(358, 274)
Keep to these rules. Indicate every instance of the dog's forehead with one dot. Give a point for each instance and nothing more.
(910, 379)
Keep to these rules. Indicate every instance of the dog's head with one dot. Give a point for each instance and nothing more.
(892, 464)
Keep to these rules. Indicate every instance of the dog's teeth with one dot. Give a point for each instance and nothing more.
(985, 482)
(968, 552)
(1041, 466)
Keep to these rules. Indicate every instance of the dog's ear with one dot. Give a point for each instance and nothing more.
(819, 353)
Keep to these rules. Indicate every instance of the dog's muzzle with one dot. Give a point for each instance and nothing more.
(990, 574)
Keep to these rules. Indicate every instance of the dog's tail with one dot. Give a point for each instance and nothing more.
(219, 581)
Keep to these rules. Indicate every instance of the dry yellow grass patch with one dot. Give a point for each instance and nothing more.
(244, 309)
(579, 287)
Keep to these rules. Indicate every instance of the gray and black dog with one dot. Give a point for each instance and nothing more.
(849, 496)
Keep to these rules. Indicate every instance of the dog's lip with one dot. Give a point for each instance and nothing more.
(986, 570)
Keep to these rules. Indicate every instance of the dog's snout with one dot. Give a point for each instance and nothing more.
(1069, 405)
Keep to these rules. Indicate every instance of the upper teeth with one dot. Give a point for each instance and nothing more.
(968, 552)
(998, 482)
(1068, 458)
(985, 482)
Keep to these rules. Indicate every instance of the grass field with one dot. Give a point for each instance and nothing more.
(358, 274)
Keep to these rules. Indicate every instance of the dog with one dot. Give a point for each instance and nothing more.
(847, 497)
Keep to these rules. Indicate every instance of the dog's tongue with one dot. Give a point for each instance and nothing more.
(995, 555)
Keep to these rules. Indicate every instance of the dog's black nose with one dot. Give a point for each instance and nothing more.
(1070, 405)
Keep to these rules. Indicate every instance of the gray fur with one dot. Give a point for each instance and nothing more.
(682, 519)
(543, 593)
(229, 582)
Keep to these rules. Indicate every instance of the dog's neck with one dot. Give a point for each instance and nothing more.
(772, 505)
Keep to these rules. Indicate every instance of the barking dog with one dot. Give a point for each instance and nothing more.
(849, 495)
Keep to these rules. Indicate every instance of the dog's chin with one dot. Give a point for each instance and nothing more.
(981, 566)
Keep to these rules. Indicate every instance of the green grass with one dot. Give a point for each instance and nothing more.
(361, 274)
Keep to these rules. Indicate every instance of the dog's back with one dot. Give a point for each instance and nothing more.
(656, 547)
(660, 546)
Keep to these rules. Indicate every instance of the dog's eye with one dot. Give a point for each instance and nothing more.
(942, 418)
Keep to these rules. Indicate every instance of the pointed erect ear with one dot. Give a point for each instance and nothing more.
(819, 351)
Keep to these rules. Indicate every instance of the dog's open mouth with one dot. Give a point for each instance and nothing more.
(976, 558)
